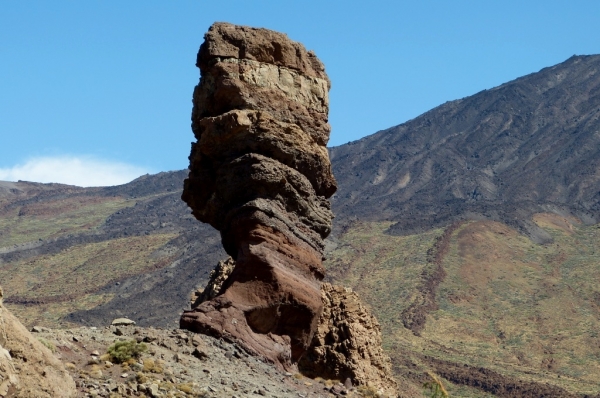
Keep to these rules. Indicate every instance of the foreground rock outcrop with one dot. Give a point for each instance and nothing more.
(177, 364)
(27, 368)
(261, 175)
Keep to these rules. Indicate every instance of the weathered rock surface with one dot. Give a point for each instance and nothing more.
(260, 174)
(27, 368)
(218, 276)
(347, 344)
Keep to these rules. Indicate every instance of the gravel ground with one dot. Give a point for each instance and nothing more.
(176, 363)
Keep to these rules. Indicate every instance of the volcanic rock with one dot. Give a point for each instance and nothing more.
(260, 174)
(347, 344)
(27, 367)
(217, 278)
(528, 146)
(122, 322)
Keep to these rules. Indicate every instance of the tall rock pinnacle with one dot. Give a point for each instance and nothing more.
(260, 174)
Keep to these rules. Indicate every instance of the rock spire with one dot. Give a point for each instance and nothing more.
(260, 174)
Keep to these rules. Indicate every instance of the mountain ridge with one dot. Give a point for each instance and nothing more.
(444, 156)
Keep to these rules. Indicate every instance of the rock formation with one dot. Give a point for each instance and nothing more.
(27, 368)
(347, 344)
(261, 175)
(217, 278)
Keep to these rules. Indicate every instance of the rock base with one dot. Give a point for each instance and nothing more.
(347, 344)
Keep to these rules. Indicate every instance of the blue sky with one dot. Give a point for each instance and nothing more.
(99, 92)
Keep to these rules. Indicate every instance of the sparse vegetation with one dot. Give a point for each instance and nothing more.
(187, 388)
(85, 268)
(47, 344)
(54, 218)
(141, 378)
(503, 297)
(152, 366)
(125, 351)
(70, 366)
(367, 392)
(435, 388)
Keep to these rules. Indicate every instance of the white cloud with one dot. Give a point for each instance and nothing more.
(84, 171)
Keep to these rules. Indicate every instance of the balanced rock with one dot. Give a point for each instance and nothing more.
(260, 174)
(347, 344)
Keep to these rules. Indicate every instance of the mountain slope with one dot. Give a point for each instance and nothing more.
(438, 226)
(131, 250)
(481, 304)
(527, 146)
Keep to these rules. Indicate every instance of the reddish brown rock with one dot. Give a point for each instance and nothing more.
(346, 345)
(260, 174)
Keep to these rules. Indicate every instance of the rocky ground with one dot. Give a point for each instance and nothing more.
(177, 363)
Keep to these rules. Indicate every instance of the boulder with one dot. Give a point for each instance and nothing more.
(122, 322)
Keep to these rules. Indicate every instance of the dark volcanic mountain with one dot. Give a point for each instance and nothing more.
(529, 145)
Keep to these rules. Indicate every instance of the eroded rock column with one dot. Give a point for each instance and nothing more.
(261, 175)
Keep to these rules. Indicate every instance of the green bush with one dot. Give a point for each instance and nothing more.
(123, 351)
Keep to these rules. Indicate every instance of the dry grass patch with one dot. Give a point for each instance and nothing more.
(51, 219)
(524, 310)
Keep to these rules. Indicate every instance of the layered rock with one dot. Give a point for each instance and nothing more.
(27, 368)
(347, 344)
(260, 174)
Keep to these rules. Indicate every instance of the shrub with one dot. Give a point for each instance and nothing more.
(367, 392)
(141, 378)
(70, 366)
(48, 344)
(187, 388)
(105, 357)
(126, 351)
(151, 366)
